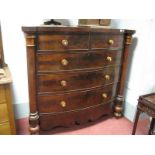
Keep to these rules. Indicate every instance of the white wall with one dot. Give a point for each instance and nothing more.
(141, 78)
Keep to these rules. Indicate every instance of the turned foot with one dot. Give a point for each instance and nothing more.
(34, 123)
(118, 107)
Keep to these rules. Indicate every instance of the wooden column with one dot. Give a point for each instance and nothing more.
(118, 109)
(31, 56)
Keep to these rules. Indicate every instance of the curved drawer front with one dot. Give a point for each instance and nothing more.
(100, 41)
(63, 42)
(68, 119)
(75, 100)
(81, 60)
(57, 82)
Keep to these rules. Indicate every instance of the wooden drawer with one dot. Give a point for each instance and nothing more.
(63, 42)
(76, 60)
(57, 82)
(68, 119)
(75, 100)
(3, 113)
(99, 41)
(2, 94)
(5, 129)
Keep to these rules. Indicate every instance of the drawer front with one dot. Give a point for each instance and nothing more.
(3, 113)
(58, 82)
(99, 41)
(5, 129)
(63, 42)
(75, 100)
(69, 61)
(69, 119)
(2, 94)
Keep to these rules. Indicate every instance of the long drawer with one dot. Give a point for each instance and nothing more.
(60, 82)
(76, 100)
(47, 62)
(68, 119)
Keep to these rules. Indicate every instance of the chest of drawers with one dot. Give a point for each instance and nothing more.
(75, 74)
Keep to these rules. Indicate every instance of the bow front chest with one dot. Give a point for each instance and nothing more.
(76, 74)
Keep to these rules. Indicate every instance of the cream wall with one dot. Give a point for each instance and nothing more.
(141, 73)
(141, 79)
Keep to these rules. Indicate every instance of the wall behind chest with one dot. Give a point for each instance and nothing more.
(141, 79)
(141, 76)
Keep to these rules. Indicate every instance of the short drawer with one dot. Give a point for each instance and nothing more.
(63, 42)
(3, 113)
(2, 94)
(5, 129)
(58, 82)
(75, 100)
(74, 118)
(99, 41)
(77, 60)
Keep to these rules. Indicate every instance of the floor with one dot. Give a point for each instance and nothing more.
(111, 126)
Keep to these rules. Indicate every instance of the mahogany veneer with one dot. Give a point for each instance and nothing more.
(76, 74)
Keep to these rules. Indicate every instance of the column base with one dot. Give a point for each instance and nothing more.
(118, 107)
(34, 123)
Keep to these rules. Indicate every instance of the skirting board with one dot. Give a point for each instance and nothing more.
(21, 110)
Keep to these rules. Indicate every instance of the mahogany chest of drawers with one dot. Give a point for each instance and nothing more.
(75, 74)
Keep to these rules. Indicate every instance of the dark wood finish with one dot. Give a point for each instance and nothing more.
(100, 41)
(54, 42)
(31, 46)
(118, 111)
(75, 100)
(73, 118)
(47, 62)
(77, 80)
(146, 104)
(74, 74)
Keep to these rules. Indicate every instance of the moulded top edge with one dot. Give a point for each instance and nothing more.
(33, 29)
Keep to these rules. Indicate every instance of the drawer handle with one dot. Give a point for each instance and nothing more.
(104, 95)
(65, 42)
(109, 58)
(107, 77)
(111, 42)
(63, 104)
(64, 62)
(63, 83)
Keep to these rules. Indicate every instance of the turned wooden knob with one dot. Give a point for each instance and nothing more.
(109, 58)
(65, 42)
(64, 62)
(111, 42)
(118, 109)
(63, 83)
(63, 104)
(104, 95)
(107, 77)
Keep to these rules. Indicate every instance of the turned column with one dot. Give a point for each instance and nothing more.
(119, 100)
(31, 56)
